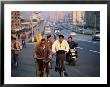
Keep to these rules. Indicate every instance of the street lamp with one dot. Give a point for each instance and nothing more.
(32, 29)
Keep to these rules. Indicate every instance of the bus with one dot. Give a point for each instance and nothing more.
(47, 29)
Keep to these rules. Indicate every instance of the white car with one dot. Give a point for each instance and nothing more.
(96, 36)
(73, 34)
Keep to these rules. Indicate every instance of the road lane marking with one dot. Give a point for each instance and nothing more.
(80, 48)
(86, 40)
(94, 51)
(89, 50)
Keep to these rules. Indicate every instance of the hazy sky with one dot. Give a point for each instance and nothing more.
(45, 14)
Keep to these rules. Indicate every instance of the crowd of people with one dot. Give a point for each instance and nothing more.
(44, 50)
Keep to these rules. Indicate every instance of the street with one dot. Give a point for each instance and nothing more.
(88, 64)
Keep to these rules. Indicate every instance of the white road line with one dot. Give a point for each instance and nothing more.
(89, 50)
(86, 40)
(94, 51)
(80, 48)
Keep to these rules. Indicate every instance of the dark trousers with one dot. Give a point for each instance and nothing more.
(60, 60)
(42, 68)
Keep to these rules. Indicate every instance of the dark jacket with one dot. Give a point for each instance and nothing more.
(73, 44)
(42, 53)
(49, 44)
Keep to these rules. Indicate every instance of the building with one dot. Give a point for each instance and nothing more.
(15, 21)
(78, 17)
(92, 19)
(56, 16)
(25, 23)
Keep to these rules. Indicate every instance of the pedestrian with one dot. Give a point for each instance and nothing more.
(23, 38)
(41, 55)
(60, 47)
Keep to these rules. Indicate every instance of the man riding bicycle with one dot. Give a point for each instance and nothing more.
(42, 56)
(60, 47)
(15, 48)
(49, 44)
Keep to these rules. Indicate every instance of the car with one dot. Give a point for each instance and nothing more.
(96, 36)
(47, 30)
(73, 34)
(57, 31)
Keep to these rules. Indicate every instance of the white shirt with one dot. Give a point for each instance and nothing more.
(60, 46)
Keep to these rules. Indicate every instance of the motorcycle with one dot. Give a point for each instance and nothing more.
(15, 55)
(73, 55)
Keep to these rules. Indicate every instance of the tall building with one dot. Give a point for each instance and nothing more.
(56, 16)
(97, 13)
(78, 17)
(15, 21)
(92, 19)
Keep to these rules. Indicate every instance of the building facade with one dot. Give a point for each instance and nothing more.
(92, 19)
(15, 21)
(78, 17)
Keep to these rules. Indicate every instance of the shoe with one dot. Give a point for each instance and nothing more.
(65, 74)
(56, 69)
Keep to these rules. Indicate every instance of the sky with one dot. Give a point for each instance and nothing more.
(45, 14)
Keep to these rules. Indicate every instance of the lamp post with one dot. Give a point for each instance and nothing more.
(32, 29)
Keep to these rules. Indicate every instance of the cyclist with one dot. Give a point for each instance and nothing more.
(49, 44)
(41, 55)
(15, 47)
(60, 47)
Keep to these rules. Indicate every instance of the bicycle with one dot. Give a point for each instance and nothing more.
(43, 67)
(60, 68)
(15, 55)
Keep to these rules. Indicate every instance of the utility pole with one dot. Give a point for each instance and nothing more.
(32, 28)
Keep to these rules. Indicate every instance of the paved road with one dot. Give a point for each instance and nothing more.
(88, 64)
